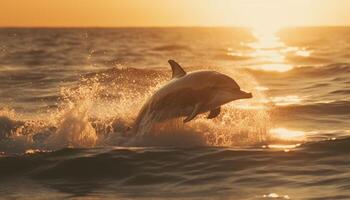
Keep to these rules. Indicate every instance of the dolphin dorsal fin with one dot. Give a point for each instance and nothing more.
(177, 69)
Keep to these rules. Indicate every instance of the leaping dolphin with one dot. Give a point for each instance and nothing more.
(190, 94)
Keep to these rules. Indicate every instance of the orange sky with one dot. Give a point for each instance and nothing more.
(174, 12)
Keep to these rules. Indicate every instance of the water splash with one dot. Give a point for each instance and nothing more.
(102, 108)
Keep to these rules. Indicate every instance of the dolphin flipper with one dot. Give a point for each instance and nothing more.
(214, 113)
(177, 69)
(194, 113)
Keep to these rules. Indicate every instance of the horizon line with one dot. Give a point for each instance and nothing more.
(199, 26)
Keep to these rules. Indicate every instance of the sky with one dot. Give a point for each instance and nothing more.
(130, 13)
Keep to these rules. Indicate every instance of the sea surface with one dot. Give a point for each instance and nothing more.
(69, 97)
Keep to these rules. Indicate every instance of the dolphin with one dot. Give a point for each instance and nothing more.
(189, 94)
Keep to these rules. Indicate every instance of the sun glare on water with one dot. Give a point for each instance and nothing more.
(265, 21)
(286, 135)
(268, 50)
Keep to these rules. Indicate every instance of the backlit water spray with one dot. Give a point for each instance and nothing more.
(101, 109)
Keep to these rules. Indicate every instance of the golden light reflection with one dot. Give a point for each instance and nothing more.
(266, 38)
(274, 67)
(261, 88)
(33, 151)
(286, 134)
(283, 146)
(286, 100)
(303, 53)
(250, 107)
(269, 52)
(264, 103)
(275, 195)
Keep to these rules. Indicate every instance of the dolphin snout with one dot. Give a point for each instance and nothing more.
(246, 95)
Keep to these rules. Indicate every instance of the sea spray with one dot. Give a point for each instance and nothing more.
(73, 130)
(101, 110)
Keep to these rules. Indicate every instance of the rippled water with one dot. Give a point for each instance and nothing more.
(69, 97)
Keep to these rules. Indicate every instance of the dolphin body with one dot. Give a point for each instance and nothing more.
(190, 94)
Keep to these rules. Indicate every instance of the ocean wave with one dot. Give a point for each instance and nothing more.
(331, 108)
(307, 60)
(333, 70)
(342, 92)
(134, 166)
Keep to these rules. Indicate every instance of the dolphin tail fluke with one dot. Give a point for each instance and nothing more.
(177, 69)
(214, 113)
(194, 113)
